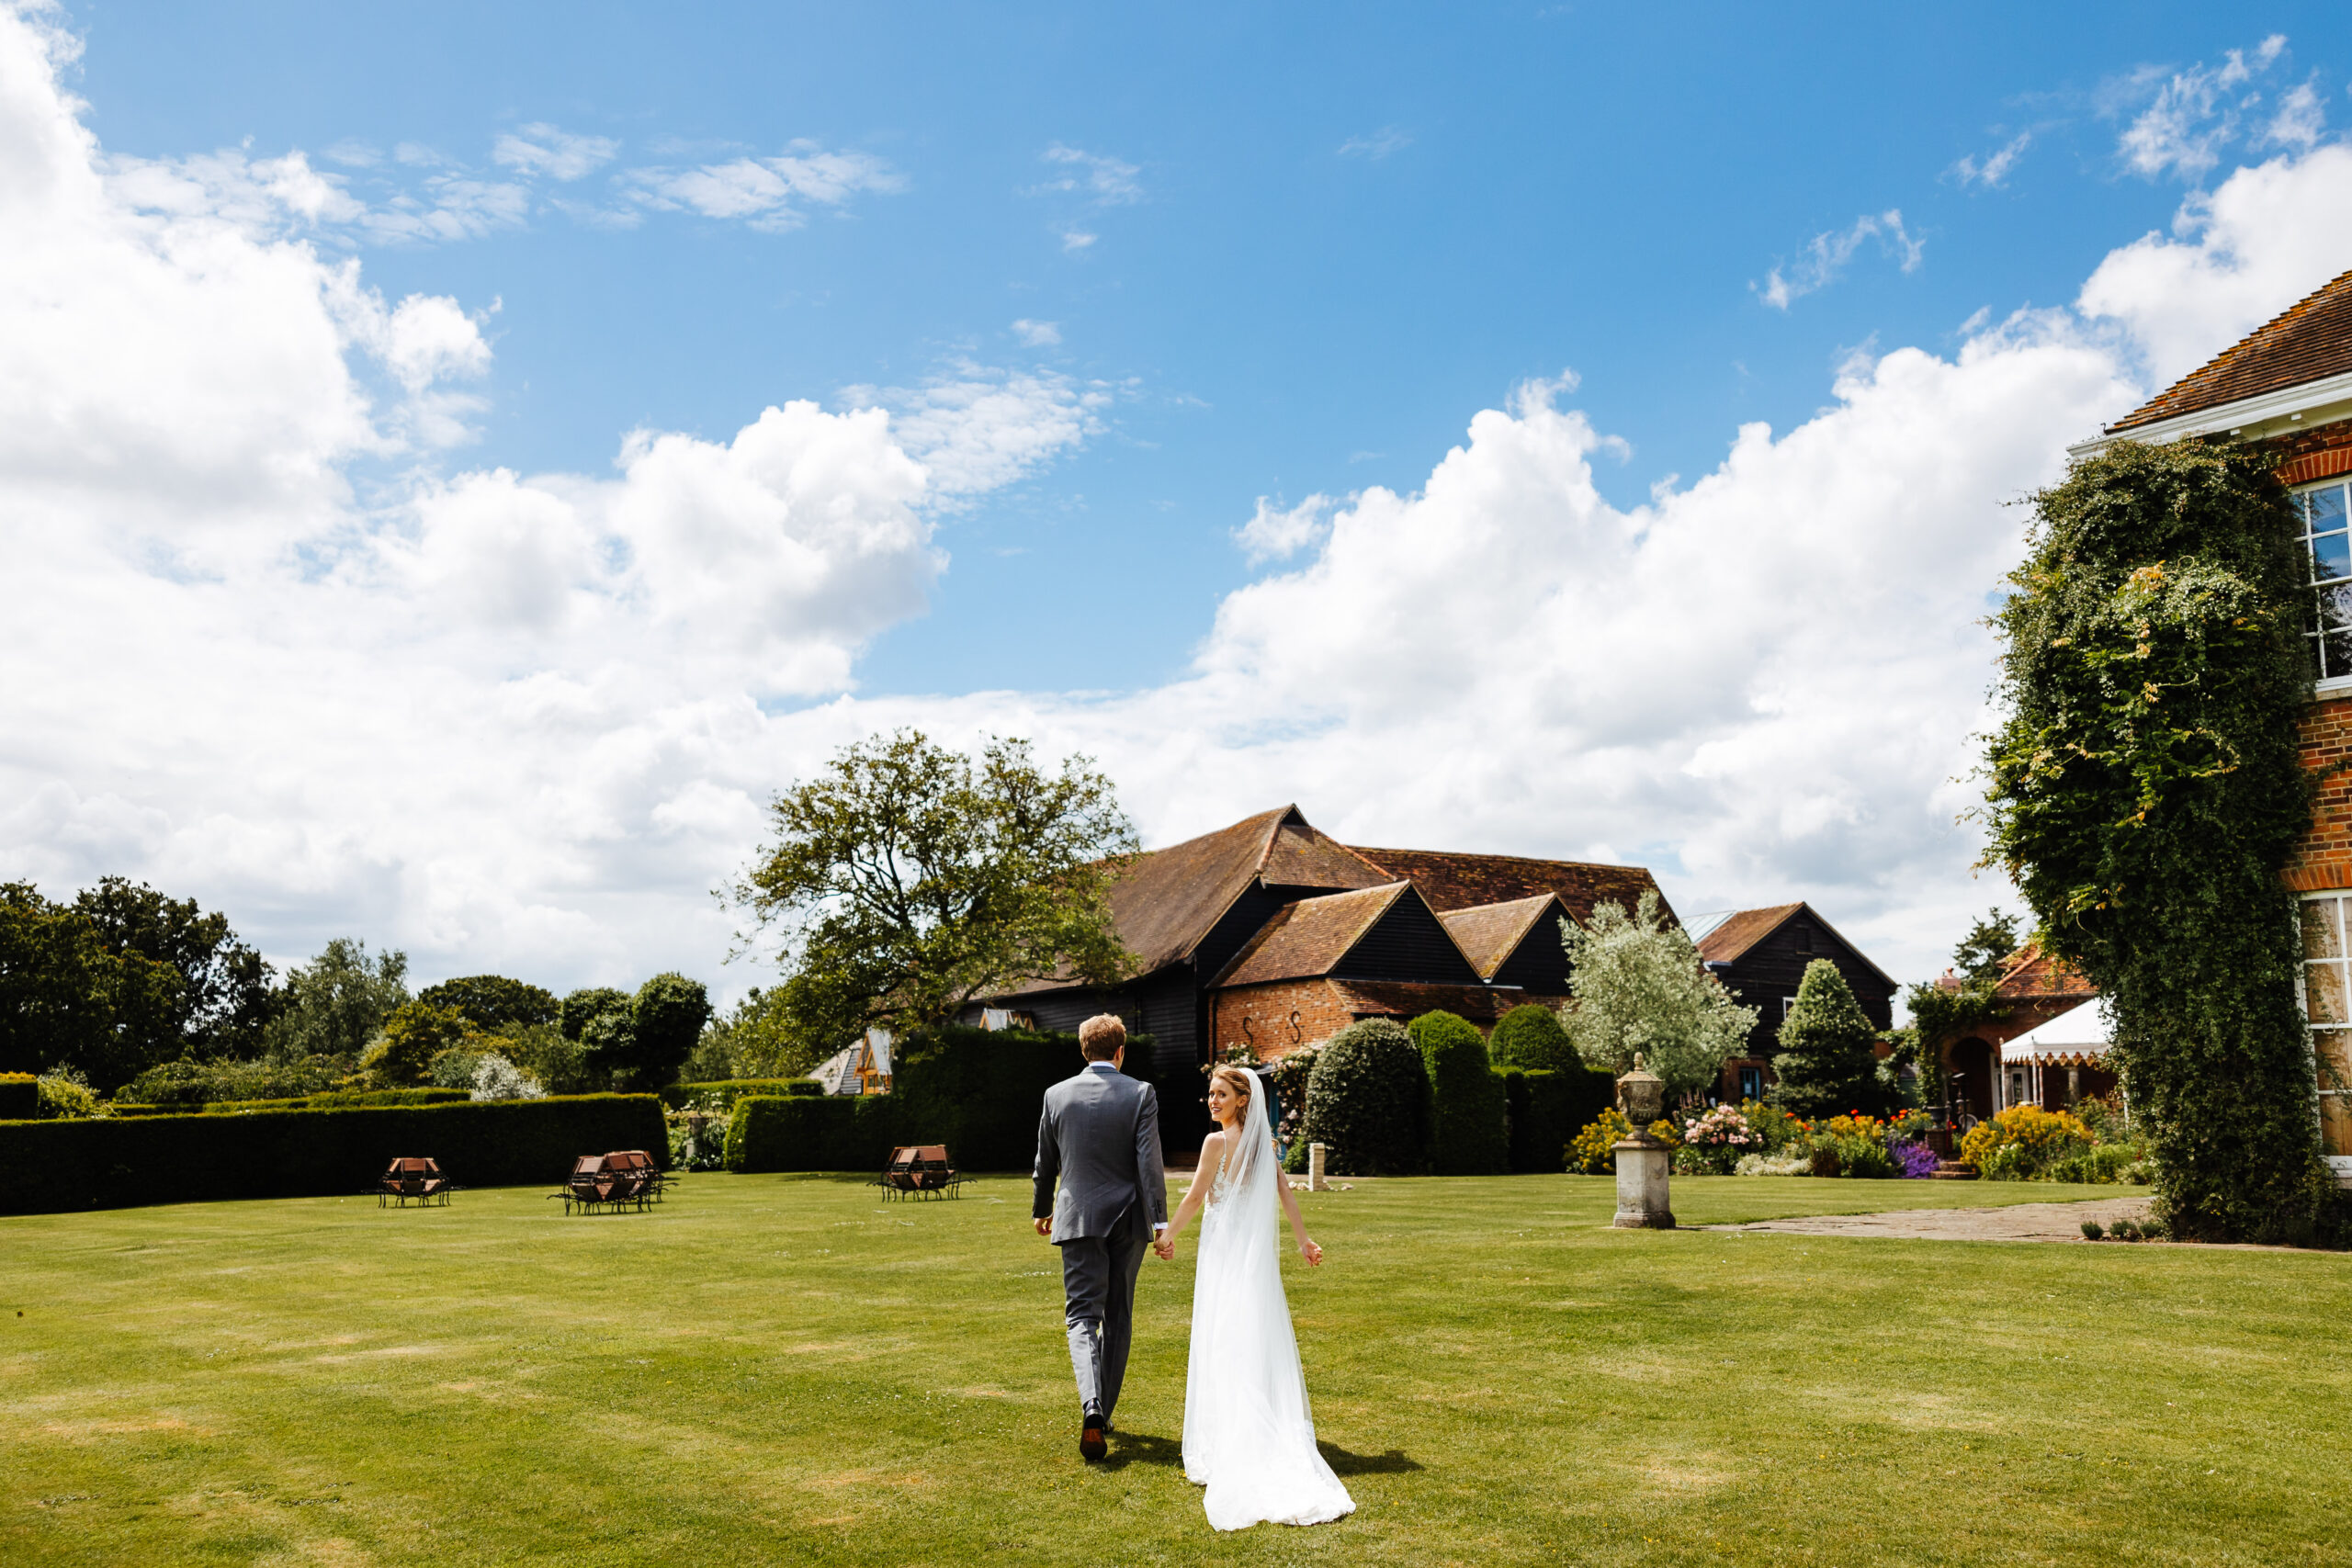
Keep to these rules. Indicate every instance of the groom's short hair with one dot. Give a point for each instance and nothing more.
(1102, 1037)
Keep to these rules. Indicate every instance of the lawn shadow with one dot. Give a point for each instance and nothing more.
(1141, 1448)
(1394, 1462)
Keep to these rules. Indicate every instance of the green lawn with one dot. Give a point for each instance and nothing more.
(784, 1369)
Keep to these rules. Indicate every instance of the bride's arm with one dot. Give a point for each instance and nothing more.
(1307, 1248)
(1203, 1174)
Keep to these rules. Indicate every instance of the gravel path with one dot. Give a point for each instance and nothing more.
(2020, 1222)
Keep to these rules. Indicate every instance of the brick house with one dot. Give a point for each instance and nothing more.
(1760, 955)
(2287, 388)
(2033, 989)
(1269, 934)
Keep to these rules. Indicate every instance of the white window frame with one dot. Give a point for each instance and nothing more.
(2327, 685)
(2340, 1164)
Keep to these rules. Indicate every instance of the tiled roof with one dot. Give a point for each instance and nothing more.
(1167, 900)
(1489, 934)
(2033, 973)
(1406, 999)
(2309, 340)
(1453, 881)
(1308, 937)
(1741, 930)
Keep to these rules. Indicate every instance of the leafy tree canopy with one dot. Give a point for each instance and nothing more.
(1982, 952)
(225, 1001)
(336, 1004)
(67, 1000)
(1639, 988)
(1531, 1037)
(907, 880)
(492, 1001)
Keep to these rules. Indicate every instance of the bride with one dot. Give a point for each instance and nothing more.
(1249, 1435)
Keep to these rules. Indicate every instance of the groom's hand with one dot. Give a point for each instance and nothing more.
(1165, 1245)
(1044, 1226)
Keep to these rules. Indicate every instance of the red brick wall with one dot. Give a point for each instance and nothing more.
(1272, 1032)
(2323, 859)
(2319, 453)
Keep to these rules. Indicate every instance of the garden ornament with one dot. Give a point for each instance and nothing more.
(1642, 1156)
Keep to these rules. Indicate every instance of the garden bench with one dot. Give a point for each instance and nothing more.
(413, 1179)
(920, 1171)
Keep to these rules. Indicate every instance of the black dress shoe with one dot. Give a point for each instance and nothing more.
(1090, 1431)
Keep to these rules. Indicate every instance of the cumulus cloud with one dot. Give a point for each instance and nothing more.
(541, 149)
(524, 722)
(2185, 118)
(1992, 171)
(1825, 259)
(1275, 532)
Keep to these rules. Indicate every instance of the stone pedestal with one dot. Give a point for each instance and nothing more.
(1315, 1182)
(1641, 1184)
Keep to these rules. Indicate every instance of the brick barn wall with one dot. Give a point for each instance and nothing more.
(1268, 1010)
(2323, 859)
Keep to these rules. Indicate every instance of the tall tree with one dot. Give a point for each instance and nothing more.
(492, 1001)
(906, 880)
(1827, 1064)
(67, 1000)
(225, 1001)
(1639, 989)
(335, 1003)
(2144, 795)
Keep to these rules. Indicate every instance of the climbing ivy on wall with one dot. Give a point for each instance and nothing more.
(2144, 794)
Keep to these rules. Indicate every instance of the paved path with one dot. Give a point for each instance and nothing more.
(2019, 1222)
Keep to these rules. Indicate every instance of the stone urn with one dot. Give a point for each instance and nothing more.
(1642, 1158)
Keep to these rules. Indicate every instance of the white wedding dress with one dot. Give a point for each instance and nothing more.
(1249, 1435)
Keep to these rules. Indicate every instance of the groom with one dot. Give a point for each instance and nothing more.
(1099, 1133)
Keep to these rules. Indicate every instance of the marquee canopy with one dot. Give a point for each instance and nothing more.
(2079, 1037)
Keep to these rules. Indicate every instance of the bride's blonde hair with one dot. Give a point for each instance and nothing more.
(1240, 1080)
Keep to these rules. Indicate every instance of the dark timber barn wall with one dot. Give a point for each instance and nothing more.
(1406, 943)
(1768, 971)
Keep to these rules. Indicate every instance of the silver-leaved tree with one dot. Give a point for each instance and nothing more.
(1639, 989)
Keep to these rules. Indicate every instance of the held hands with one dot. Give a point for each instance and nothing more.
(1312, 1253)
(1164, 1245)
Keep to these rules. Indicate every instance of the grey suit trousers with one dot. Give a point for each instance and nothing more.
(1099, 1286)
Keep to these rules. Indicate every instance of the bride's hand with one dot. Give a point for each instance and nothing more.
(1312, 1253)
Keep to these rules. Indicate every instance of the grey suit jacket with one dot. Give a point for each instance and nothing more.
(1099, 1133)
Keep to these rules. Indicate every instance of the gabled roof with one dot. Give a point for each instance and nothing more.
(1411, 998)
(2309, 340)
(1489, 934)
(2029, 971)
(1451, 882)
(1743, 929)
(1311, 936)
(1166, 901)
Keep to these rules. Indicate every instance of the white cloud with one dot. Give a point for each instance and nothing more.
(2191, 116)
(541, 149)
(1104, 180)
(1377, 145)
(975, 428)
(1277, 533)
(1993, 170)
(2300, 121)
(1825, 257)
(524, 723)
(1076, 240)
(770, 193)
(1037, 334)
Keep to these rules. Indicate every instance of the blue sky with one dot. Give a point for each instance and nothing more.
(1328, 234)
(1544, 429)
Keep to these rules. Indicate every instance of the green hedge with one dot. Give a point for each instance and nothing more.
(116, 1162)
(726, 1091)
(1466, 1104)
(976, 1090)
(1547, 1110)
(19, 1097)
(1368, 1100)
(336, 1101)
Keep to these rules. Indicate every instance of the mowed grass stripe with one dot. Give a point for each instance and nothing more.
(786, 1369)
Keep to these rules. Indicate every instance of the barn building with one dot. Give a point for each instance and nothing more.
(1760, 956)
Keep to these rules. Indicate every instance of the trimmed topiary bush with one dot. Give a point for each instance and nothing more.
(19, 1097)
(1369, 1099)
(1532, 1037)
(1466, 1129)
(1827, 1065)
